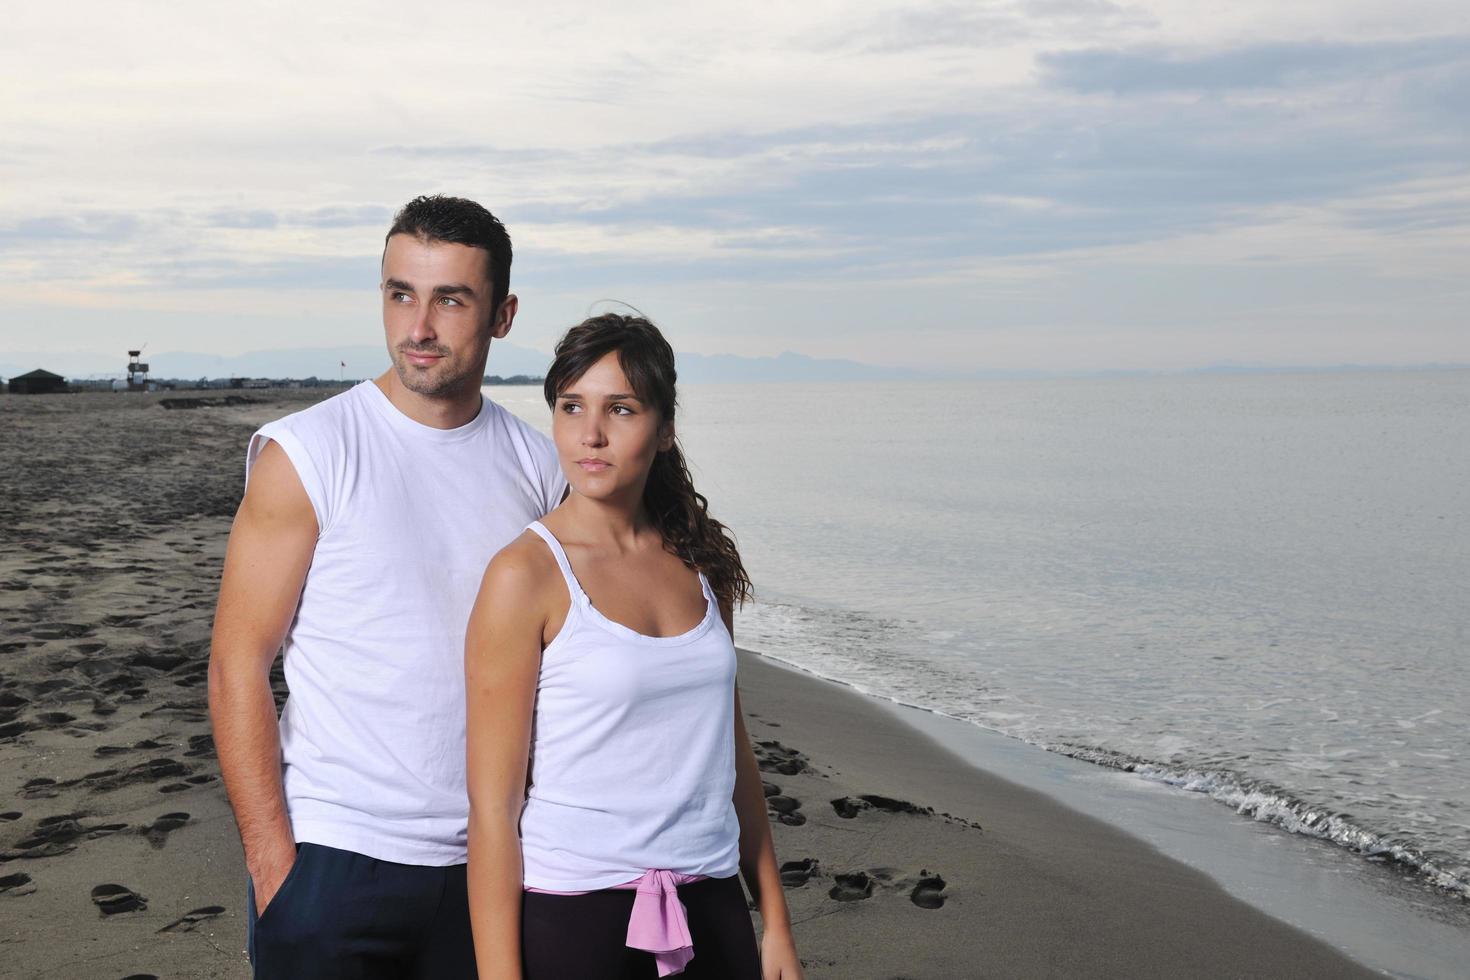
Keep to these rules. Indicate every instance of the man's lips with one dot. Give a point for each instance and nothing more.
(421, 358)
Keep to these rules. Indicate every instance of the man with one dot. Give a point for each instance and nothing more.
(357, 551)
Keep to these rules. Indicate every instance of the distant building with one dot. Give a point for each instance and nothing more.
(37, 382)
(137, 372)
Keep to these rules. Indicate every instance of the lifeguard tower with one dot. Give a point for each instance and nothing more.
(137, 372)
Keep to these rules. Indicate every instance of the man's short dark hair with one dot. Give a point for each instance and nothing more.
(436, 218)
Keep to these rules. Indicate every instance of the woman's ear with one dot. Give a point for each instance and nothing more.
(665, 437)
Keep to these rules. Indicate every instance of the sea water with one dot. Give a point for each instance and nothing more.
(1255, 587)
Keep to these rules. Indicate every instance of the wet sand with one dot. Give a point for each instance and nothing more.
(118, 854)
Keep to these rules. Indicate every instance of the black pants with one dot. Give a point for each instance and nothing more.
(583, 937)
(344, 916)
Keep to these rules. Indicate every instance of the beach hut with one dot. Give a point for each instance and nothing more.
(37, 382)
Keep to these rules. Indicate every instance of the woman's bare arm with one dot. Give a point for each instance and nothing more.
(758, 854)
(502, 662)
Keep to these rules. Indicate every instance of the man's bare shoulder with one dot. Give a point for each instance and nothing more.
(275, 493)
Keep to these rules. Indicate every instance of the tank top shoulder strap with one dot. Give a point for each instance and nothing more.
(574, 588)
(709, 593)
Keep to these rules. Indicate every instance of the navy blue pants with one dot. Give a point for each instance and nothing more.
(583, 937)
(344, 916)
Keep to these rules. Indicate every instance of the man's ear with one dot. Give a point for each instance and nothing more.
(504, 316)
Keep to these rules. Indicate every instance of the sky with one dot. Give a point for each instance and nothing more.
(1051, 185)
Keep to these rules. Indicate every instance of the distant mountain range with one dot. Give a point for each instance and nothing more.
(369, 361)
(508, 359)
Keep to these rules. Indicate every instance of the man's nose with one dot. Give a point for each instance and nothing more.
(423, 325)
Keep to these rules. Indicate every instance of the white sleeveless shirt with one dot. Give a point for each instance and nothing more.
(633, 751)
(373, 733)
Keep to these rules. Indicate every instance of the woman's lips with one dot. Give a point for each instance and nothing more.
(593, 465)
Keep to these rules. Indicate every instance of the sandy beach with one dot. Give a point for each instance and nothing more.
(118, 854)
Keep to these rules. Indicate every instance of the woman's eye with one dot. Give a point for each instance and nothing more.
(622, 410)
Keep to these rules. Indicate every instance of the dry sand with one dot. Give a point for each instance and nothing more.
(118, 855)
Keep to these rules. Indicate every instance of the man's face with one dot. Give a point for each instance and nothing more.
(436, 314)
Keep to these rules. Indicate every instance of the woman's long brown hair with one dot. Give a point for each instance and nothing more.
(680, 512)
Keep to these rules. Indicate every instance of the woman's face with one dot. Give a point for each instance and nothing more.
(606, 437)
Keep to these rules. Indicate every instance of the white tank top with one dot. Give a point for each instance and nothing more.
(633, 751)
(373, 734)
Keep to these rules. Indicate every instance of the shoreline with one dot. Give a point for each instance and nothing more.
(1034, 888)
(1376, 915)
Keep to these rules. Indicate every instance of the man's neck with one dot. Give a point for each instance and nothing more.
(448, 411)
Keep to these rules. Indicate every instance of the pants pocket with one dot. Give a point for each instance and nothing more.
(252, 920)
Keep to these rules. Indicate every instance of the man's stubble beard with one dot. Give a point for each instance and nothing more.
(430, 386)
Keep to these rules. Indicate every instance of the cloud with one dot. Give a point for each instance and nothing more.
(86, 226)
(1278, 65)
(918, 27)
(258, 218)
(879, 161)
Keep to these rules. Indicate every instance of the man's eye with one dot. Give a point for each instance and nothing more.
(399, 297)
(449, 301)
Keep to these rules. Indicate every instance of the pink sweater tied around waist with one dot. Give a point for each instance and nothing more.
(658, 923)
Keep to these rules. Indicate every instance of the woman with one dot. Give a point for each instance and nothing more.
(600, 671)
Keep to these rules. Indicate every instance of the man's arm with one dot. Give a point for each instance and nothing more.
(270, 549)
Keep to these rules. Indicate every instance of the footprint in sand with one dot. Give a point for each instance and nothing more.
(200, 746)
(848, 807)
(190, 920)
(152, 771)
(929, 892)
(141, 976)
(40, 788)
(772, 756)
(113, 899)
(794, 874)
(10, 815)
(58, 835)
(157, 832)
(52, 686)
(157, 660)
(61, 631)
(853, 887)
(17, 884)
(787, 810)
(783, 808)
